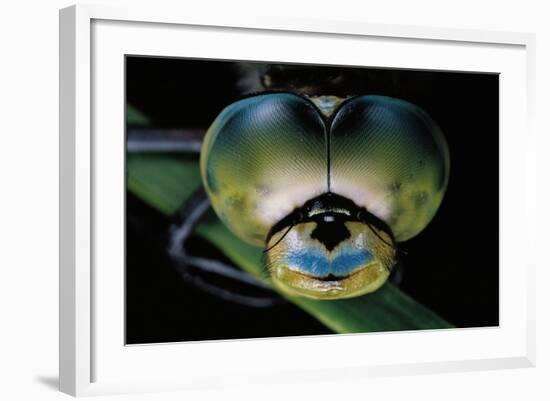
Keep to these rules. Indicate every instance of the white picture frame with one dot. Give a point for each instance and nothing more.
(94, 360)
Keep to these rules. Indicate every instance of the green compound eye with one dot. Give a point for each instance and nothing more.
(263, 157)
(390, 157)
(327, 196)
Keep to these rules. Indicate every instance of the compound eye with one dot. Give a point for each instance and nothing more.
(263, 157)
(389, 157)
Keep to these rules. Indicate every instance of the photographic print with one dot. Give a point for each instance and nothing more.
(272, 199)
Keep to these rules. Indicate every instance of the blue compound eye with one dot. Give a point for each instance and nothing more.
(327, 192)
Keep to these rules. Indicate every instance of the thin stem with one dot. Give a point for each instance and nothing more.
(192, 212)
(147, 140)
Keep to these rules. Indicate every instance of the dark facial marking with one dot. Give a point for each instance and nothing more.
(330, 233)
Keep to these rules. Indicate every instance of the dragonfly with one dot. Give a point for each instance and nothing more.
(327, 180)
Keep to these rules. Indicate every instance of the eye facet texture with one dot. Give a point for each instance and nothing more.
(266, 155)
(263, 157)
(390, 157)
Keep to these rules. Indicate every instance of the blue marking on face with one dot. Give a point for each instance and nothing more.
(311, 262)
(349, 260)
(315, 262)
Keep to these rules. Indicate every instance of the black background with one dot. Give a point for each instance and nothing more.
(452, 266)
